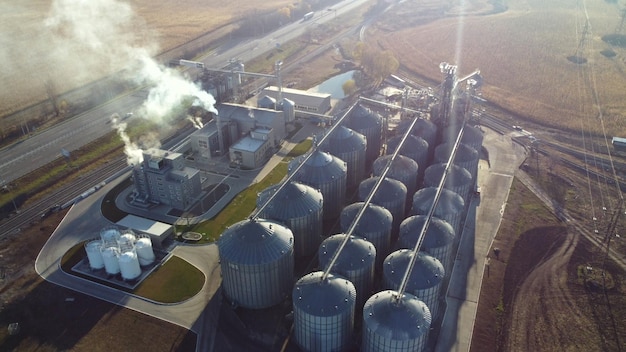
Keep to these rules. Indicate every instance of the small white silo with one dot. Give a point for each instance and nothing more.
(145, 253)
(127, 236)
(110, 234)
(111, 263)
(94, 255)
(129, 265)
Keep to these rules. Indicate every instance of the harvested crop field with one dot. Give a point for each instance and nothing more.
(522, 53)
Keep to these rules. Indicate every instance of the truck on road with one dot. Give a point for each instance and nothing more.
(308, 16)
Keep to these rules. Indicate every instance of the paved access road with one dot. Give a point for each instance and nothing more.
(481, 226)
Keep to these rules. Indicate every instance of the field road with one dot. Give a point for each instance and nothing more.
(480, 228)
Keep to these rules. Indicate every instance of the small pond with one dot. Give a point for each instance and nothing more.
(333, 85)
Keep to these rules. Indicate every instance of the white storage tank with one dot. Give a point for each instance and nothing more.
(374, 226)
(257, 259)
(145, 252)
(391, 195)
(355, 262)
(425, 280)
(300, 207)
(449, 208)
(323, 312)
(395, 324)
(110, 234)
(128, 236)
(458, 179)
(94, 255)
(350, 147)
(129, 265)
(328, 174)
(437, 241)
(110, 257)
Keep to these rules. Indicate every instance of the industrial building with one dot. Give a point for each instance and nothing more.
(250, 135)
(305, 102)
(163, 178)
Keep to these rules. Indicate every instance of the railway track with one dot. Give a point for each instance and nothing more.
(67, 195)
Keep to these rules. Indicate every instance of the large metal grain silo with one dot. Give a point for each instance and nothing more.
(466, 157)
(300, 207)
(328, 174)
(350, 147)
(355, 262)
(414, 147)
(472, 136)
(256, 259)
(369, 124)
(449, 208)
(458, 179)
(374, 226)
(391, 195)
(403, 169)
(425, 280)
(323, 312)
(392, 323)
(438, 239)
(423, 128)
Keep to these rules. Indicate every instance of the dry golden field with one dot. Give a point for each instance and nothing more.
(522, 54)
(34, 49)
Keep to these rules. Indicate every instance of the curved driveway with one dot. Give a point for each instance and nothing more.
(83, 222)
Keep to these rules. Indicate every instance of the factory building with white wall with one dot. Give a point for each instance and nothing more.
(250, 135)
(316, 103)
(163, 178)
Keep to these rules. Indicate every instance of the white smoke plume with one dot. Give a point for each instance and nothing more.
(107, 33)
(134, 154)
(196, 122)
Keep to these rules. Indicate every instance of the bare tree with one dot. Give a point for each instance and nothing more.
(53, 96)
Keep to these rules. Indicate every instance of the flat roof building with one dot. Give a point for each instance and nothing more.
(158, 231)
(318, 103)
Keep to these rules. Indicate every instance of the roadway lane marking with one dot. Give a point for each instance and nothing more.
(500, 174)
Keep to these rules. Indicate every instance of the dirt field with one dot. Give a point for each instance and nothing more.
(532, 297)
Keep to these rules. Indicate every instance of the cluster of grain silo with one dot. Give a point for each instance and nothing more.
(425, 280)
(370, 124)
(350, 147)
(391, 195)
(355, 262)
(327, 173)
(392, 323)
(450, 206)
(120, 252)
(257, 262)
(323, 312)
(257, 255)
(300, 208)
(374, 226)
(438, 239)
